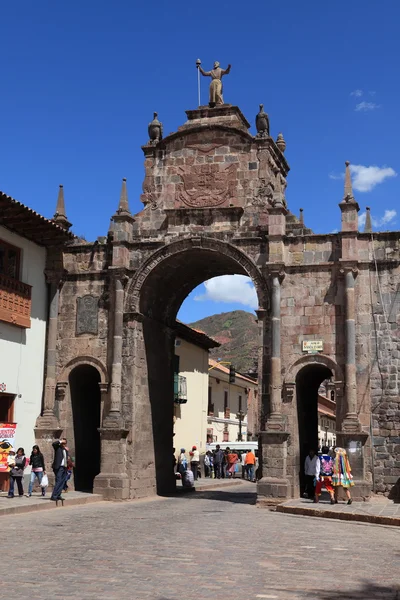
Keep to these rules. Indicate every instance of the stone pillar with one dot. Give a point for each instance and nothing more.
(351, 422)
(273, 487)
(47, 425)
(113, 419)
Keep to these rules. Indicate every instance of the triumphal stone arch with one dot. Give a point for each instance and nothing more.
(329, 310)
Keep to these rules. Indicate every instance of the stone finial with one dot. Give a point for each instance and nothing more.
(301, 218)
(155, 130)
(280, 142)
(262, 123)
(368, 221)
(348, 189)
(123, 207)
(59, 216)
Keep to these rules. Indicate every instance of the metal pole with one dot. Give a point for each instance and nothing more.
(198, 63)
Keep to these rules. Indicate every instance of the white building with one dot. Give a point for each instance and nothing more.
(191, 388)
(24, 239)
(228, 403)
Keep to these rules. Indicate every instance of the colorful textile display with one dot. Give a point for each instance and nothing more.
(341, 469)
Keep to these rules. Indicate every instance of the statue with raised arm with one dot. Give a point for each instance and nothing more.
(216, 82)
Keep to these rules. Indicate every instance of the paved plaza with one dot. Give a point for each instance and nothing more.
(205, 545)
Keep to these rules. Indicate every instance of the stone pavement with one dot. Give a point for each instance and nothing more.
(36, 502)
(378, 510)
(211, 545)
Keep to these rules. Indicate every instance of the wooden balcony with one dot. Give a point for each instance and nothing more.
(15, 302)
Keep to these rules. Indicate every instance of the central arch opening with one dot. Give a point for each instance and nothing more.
(316, 412)
(161, 295)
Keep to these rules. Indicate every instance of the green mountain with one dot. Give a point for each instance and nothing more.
(237, 332)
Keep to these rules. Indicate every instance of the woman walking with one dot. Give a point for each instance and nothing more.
(17, 473)
(182, 462)
(342, 476)
(38, 469)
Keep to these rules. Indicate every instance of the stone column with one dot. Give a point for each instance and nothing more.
(350, 422)
(113, 419)
(275, 420)
(48, 419)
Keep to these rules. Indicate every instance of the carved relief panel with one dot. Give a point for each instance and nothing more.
(87, 314)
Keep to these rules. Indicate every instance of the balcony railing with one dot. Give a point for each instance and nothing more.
(15, 302)
(180, 389)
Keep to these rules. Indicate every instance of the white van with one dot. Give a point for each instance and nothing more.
(241, 446)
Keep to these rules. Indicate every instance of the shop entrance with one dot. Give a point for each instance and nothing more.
(85, 400)
(312, 411)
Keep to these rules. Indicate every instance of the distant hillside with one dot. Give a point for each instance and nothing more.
(237, 332)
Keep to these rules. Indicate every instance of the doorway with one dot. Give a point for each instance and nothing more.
(311, 411)
(86, 405)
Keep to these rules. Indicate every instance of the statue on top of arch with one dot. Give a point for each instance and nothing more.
(216, 75)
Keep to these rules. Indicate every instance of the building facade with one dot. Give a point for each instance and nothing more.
(191, 386)
(26, 238)
(227, 414)
(329, 308)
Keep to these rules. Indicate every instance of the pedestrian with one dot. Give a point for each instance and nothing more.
(17, 473)
(250, 462)
(182, 462)
(38, 469)
(232, 459)
(242, 458)
(324, 473)
(310, 471)
(218, 461)
(70, 466)
(207, 464)
(60, 464)
(194, 461)
(225, 463)
(342, 476)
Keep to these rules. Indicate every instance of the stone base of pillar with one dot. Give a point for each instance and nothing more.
(351, 424)
(113, 421)
(274, 487)
(276, 422)
(112, 486)
(272, 491)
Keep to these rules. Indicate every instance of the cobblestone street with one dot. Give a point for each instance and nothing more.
(211, 544)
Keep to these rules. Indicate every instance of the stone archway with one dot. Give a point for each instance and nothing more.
(152, 303)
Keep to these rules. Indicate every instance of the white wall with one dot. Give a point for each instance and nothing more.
(190, 426)
(219, 383)
(22, 350)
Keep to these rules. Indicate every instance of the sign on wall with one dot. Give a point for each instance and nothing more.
(313, 346)
(7, 436)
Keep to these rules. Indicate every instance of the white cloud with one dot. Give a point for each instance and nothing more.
(366, 106)
(366, 178)
(357, 93)
(230, 288)
(388, 218)
(336, 176)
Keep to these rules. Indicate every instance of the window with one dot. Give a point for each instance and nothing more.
(210, 410)
(9, 260)
(225, 400)
(6, 408)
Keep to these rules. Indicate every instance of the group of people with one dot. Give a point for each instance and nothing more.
(329, 469)
(62, 467)
(218, 463)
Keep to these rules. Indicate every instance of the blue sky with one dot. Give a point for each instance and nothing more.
(80, 81)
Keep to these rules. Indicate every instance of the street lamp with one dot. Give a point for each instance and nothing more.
(240, 416)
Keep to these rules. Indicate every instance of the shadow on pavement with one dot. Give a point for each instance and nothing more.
(225, 496)
(368, 591)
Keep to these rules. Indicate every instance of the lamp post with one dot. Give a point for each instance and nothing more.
(240, 416)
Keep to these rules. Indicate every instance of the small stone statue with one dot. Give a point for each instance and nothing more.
(155, 130)
(216, 84)
(262, 123)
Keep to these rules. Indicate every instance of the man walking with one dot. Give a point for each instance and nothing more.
(60, 464)
(250, 462)
(310, 472)
(218, 461)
